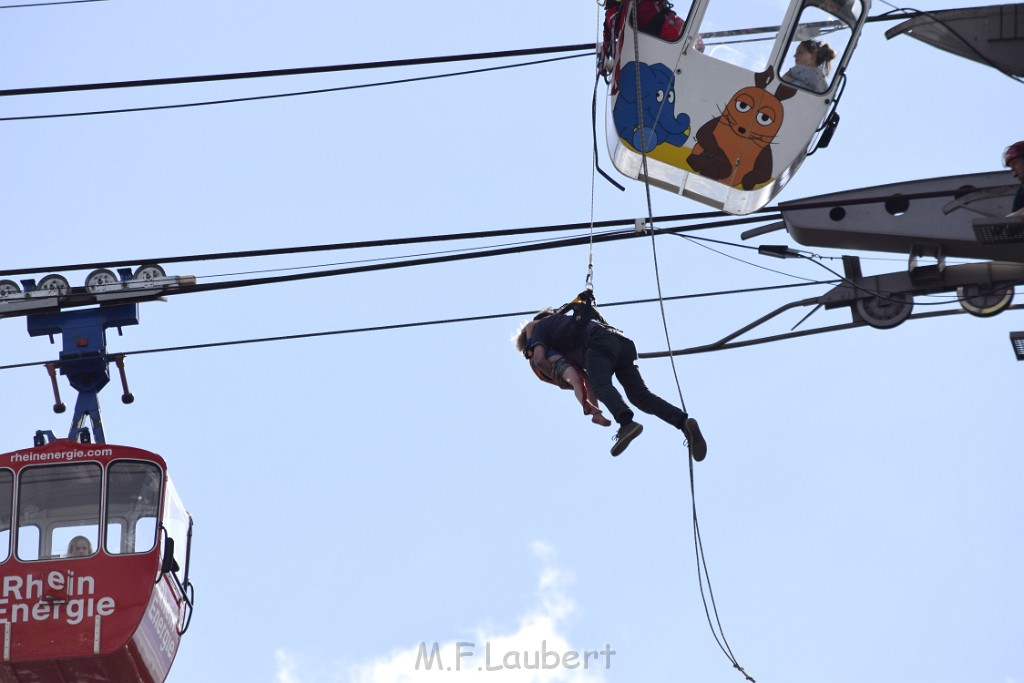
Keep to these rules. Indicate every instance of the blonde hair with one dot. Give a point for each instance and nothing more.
(519, 338)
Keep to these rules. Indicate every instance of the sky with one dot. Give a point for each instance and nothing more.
(358, 495)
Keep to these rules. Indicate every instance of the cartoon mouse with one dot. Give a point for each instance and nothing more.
(657, 101)
(735, 147)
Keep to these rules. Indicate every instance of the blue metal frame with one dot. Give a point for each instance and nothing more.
(84, 357)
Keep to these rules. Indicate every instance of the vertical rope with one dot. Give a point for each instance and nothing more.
(647, 190)
(702, 569)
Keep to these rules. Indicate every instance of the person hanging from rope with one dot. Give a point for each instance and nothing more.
(578, 334)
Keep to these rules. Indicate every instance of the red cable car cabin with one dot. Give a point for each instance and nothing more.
(94, 549)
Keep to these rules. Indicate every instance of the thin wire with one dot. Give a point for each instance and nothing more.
(255, 98)
(764, 214)
(698, 242)
(813, 258)
(278, 279)
(384, 259)
(299, 71)
(143, 295)
(426, 323)
(46, 4)
(365, 244)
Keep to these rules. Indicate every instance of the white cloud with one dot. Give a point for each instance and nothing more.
(537, 651)
(285, 667)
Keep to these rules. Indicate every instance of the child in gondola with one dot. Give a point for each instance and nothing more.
(79, 546)
(813, 62)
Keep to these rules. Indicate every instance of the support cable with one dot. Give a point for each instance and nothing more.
(300, 71)
(397, 241)
(426, 323)
(47, 4)
(255, 98)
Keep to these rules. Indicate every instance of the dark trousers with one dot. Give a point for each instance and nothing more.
(609, 353)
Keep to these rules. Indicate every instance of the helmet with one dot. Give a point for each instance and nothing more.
(1013, 152)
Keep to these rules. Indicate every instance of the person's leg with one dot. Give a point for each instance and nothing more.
(637, 392)
(600, 361)
(599, 364)
(643, 398)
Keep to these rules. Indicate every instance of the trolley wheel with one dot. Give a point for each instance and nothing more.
(100, 280)
(149, 272)
(8, 288)
(985, 300)
(885, 311)
(56, 285)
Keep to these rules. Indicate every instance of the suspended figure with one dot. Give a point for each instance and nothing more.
(575, 346)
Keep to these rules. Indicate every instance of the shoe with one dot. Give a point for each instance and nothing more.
(698, 447)
(626, 433)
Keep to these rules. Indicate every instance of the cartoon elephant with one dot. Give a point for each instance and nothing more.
(660, 123)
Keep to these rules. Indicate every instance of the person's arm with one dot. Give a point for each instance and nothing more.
(538, 356)
(583, 395)
(577, 381)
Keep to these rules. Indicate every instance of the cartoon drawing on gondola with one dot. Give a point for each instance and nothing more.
(644, 112)
(752, 117)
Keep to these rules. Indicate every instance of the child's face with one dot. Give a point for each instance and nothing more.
(803, 56)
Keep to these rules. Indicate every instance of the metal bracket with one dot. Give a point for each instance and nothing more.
(84, 358)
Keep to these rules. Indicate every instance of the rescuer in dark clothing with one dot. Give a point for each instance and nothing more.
(588, 343)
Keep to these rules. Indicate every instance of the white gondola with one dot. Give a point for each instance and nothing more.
(712, 116)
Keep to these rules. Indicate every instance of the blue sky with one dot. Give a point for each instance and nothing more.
(356, 495)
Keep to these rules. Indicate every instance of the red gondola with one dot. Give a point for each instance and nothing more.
(94, 540)
(95, 545)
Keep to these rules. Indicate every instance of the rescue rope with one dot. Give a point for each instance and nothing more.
(649, 225)
(589, 282)
(707, 598)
